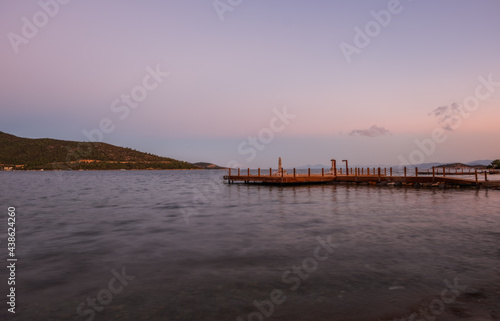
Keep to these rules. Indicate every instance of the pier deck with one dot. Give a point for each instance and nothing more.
(300, 179)
(362, 176)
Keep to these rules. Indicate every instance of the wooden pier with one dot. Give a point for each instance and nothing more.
(361, 176)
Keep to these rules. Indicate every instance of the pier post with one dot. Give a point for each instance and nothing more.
(238, 171)
(258, 172)
(334, 167)
(433, 173)
(309, 172)
(476, 176)
(368, 171)
(362, 171)
(416, 171)
(294, 172)
(322, 172)
(229, 172)
(485, 176)
(248, 172)
(346, 166)
(379, 174)
(270, 172)
(390, 171)
(385, 171)
(405, 174)
(444, 172)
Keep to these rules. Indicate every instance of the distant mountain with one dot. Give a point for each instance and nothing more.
(473, 163)
(480, 162)
(461, 165)
(205, 165)
(54, 154)
(316, 166)
(422, 166)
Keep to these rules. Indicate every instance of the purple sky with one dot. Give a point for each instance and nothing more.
(226, 76)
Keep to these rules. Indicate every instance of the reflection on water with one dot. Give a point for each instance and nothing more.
(395, 248)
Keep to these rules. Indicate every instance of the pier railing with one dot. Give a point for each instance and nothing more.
(358, 174)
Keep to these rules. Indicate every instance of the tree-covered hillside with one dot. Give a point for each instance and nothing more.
(61, 154)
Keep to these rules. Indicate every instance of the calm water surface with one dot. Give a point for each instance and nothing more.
(203, 250)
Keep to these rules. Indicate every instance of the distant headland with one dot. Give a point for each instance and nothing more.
(17, 153)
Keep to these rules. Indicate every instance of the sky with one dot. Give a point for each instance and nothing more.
(241, 83)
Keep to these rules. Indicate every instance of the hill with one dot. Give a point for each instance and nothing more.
(205, 165)
(54, 154)
(422, 166)
(461, 165)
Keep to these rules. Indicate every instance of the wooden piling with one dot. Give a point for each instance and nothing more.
(346, 166)
(405, 174)
(248, 172)
(379, 174)
(270, 172)
(444, 172)
(238, 171)
(477, 180)
(391, 171)
(258, 172)
(416, 171)
(322, 172)
(294, 172)
(368, 171)
(433, 173)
